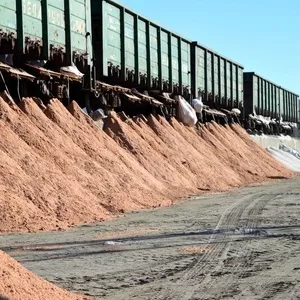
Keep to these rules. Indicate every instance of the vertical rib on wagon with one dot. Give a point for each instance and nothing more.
(20, 26)
(68, 33)
(45, 29)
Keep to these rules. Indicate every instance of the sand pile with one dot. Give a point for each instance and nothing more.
(168, 156)
(214, 158)
(241, 154)
(38, 182)
(16, 283)
(144, 149)
(267, 158)
(205, 167)
(58, 173)
(58, 169)
(265, 164)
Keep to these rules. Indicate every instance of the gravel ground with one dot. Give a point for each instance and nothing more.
(244, 244)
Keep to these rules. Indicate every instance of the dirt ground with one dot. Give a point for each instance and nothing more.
(244, 244)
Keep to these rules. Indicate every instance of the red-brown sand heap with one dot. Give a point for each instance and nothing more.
(16, 283)
(58, 173)
(59, 169)
(241, 154)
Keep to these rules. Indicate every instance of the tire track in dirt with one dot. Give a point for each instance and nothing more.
(216, 246)
(139, 275)
(229, 219)
(252, 223)
(294, 292)
(290, 289)
(237, 263)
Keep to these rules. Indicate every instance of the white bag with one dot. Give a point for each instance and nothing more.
(186, 113)
(198, 105)
(72, 70)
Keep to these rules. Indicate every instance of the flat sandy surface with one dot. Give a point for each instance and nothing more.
(244, 244)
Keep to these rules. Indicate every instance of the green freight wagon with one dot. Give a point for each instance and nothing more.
(217, 79)
(129, 49)
(57, 30)
(263, 97)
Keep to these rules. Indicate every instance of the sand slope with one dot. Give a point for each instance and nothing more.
(16, 283)
(58, 169)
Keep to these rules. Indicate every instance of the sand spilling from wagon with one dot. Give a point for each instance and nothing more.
(59, 169)
(16, 283)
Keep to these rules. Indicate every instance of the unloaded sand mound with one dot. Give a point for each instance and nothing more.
(59, 169)
(16, 283)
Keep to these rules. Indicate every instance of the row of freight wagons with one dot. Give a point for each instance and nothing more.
(128, 49)
(46, 29)
(266, 98)
(131, 49)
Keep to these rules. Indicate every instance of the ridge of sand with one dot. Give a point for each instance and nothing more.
(17, 283)
(59, 169)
